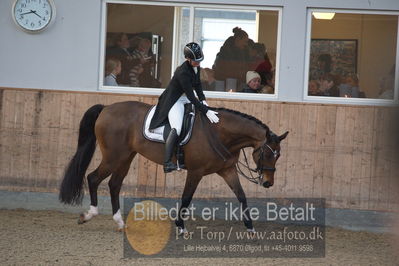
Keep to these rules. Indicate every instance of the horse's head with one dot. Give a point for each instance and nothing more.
(266, 156)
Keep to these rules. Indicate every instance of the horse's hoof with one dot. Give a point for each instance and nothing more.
(251, 230)
(81, 219)
(121, 230)
(181, 231)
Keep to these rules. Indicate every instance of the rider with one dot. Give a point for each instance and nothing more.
(180, 90)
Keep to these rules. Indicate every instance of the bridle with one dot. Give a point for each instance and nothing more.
(260, 167)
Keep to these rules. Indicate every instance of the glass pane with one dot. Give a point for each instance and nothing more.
(183, 14)
(229, 56)
(139, 45)
(353, 55)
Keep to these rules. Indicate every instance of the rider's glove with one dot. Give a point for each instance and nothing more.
(204, 103)
(212, 116)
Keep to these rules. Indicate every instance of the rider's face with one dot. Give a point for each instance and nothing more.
(194, 64)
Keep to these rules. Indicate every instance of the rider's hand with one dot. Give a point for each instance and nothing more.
(204, 103)
(212, 116)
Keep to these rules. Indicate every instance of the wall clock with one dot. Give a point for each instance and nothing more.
(33, 15)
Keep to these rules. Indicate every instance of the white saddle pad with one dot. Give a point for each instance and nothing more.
(157, 134)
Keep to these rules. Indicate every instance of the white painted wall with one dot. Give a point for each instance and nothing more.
(66, 56)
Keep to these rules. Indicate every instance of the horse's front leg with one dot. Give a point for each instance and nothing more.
(192, 181)
(231, 177)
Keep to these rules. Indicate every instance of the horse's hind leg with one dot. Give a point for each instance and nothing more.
(94, 179)
(115, 184)
(231, 177)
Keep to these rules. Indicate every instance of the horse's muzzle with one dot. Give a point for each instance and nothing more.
(267, 184)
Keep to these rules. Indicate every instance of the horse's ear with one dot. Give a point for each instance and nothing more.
(280, 138)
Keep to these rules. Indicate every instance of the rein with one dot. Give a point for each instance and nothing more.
(214, 141)
(258, 179)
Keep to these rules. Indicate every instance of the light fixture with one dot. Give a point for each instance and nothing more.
(323, 15)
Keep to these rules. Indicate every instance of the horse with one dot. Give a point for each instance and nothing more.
(117, 128)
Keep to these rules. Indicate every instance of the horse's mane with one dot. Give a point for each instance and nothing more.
(249, 117)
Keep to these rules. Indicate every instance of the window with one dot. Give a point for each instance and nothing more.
(140, 39)
(213, 33)
(144, 44)
(352, 55)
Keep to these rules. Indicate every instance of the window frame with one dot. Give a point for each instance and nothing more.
(343, 100)
(191, 6)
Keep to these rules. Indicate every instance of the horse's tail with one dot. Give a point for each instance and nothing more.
(71, 187)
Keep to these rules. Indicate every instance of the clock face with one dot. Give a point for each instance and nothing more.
(33, 15)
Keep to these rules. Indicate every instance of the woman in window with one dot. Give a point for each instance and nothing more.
(231, 63)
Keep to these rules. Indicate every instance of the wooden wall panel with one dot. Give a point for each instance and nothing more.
(337, 152)
(308, 120)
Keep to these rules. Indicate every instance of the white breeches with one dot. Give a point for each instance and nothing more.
(176, 113)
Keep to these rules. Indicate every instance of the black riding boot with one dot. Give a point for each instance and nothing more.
(169, 149)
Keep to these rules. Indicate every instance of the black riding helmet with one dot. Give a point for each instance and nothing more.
(193, 51)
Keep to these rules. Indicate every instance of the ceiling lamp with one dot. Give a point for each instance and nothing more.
(323, 15)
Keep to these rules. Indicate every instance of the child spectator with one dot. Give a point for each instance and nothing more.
(253, 82)
(113, 68)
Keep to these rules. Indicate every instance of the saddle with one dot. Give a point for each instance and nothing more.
(161, 133)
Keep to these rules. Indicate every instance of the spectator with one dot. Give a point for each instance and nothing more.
(256, 54)
(328, 86)
(207, 79)
(147, 78)
(314, 88)
(268, 87)
(253, 82)
(350, 87)
(231, 63)
(113, 68)
(141, 56)
(265, 70)
(121, 52)
(324, 66)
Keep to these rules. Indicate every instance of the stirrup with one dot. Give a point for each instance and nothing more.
(169, 167)
(180, 166)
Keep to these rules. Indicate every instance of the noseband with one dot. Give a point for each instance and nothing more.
(260, 168)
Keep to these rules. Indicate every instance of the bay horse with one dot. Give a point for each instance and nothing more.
(117, 129)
